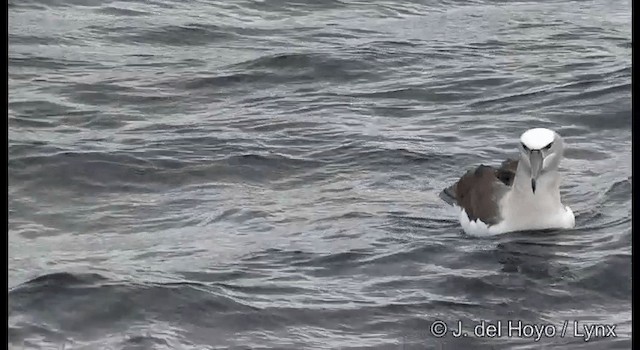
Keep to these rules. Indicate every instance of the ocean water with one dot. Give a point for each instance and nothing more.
(265, 174)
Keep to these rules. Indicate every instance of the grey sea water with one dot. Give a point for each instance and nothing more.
(265, 174)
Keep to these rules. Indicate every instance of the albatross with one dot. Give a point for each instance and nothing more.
(520, 195)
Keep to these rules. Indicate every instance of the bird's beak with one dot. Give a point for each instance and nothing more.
(535, 159)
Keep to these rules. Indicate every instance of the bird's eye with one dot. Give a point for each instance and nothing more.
(525, 147)
(547, 147)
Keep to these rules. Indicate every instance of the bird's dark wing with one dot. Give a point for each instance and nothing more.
(479, 190)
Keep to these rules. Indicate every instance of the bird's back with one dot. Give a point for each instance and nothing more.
(477, 191)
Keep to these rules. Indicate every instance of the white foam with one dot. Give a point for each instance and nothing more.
(537, 138)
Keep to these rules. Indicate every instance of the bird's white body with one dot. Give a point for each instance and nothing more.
(522, 213)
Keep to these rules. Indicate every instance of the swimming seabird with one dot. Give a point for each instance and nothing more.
(520, 195)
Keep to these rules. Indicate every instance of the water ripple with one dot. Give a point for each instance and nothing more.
(261, 174)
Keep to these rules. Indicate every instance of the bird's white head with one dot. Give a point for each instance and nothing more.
(541, 150)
